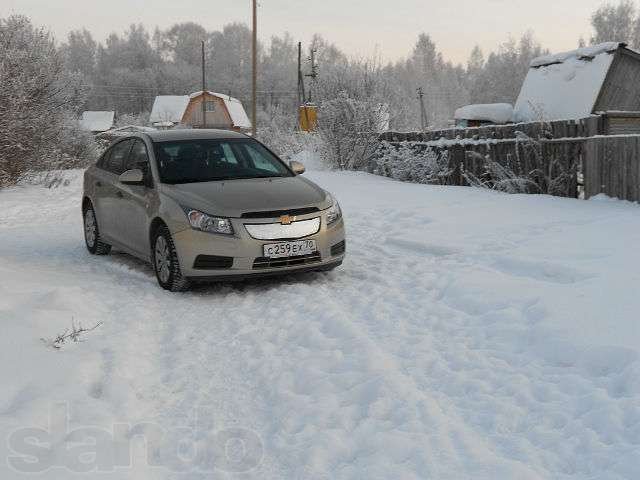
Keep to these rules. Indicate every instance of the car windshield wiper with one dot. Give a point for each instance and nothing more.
(195, 180)
(248, 177)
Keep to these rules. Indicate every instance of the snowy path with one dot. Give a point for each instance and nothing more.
(468, 335)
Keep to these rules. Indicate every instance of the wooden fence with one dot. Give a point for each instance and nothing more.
(552, 155)
(612, 167)
(551, 166)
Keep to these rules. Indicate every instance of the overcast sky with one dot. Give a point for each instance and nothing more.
(356, 26)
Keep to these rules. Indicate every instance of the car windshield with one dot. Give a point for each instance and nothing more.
(193, 161)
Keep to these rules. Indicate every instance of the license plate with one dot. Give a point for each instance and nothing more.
(289, 249)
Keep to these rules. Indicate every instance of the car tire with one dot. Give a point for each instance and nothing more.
(166, 263)
(92, 238)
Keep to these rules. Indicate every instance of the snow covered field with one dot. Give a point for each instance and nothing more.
(469, 334)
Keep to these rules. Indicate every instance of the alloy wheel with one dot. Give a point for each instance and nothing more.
(162, 259)
(90, 227)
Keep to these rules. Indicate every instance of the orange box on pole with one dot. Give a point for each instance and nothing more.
(308, 118)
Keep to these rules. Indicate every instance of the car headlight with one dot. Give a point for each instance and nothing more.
(334, 213)
(207, 223)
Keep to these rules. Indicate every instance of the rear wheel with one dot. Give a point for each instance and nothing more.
(92, 237)
(165, 261)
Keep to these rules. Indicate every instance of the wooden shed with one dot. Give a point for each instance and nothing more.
(220, 111)
(576, 84)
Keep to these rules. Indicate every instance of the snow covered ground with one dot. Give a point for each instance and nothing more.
(469, 334)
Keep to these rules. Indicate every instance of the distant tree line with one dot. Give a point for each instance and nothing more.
(47, 83)
(127, 70)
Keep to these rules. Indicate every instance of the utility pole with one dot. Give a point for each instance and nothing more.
(423, 111)
(204, 89)
(314, 71)
(301, 95)
(254, 92)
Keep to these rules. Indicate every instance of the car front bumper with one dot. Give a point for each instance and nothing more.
(245, 253)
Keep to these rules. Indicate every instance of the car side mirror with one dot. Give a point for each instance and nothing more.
(132, 177)
(297, 167)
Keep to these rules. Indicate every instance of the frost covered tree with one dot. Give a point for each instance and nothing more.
(181, 43)
(35, 99)
(475, 69)
(229, 68)
(278, 72)
(79, 53)
(615, 23)
(501, 77)
(127, 74)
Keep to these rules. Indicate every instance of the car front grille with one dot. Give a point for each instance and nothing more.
(212, 262)
(279, 213)
(264, 262)
(277, 231)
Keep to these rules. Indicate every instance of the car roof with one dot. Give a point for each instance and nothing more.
(192, 134)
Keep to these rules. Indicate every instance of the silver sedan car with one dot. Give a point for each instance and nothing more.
(204, 205)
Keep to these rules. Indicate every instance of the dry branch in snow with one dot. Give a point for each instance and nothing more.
(73, 335)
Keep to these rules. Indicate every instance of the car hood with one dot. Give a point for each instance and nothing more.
(232, 198)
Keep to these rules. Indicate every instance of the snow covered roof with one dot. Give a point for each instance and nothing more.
(234, 106)
(584, 53)
(494, 112)
(96, 121)
(564, 86)
(238, 115)
(168, 108)
(171, 108)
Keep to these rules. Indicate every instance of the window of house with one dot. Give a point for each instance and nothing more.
(210, 106)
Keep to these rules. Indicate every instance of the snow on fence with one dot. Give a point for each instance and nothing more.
(543, 157)
(586, 127)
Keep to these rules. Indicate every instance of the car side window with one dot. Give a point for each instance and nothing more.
(138, 158)
(119, 153)
(104, 158)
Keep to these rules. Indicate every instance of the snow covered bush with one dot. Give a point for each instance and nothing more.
(36, 98)
(550, 175)
(499, 177)
(412, 162)
(278, 130)
(348, 130)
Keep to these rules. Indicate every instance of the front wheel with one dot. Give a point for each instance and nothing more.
(92, 237)
(165, 262)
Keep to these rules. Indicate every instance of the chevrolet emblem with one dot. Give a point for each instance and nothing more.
(287, 220)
